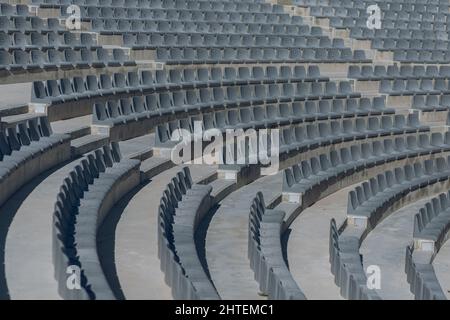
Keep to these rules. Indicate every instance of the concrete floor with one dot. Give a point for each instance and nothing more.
(385, 247)
(28, 243)
(441, 266)
(308, 246)
(226, 240)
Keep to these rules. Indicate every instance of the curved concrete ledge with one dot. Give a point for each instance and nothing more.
(182, 208)
(22, 162)
(75, 227)
(266, 254)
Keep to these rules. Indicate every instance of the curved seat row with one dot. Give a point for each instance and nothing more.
(371, 201)
(431, 102)
(343, 12)
(147, 81)
(368, 204)
(18, 61)
(400, 87)
(131, 117)
(149, 41)
(392, 72)
(421, 275)
(244, 6)
(46, 40)
(183, 206)
(86, 196)
(27, 150)
(431, 226)
(432, 223)
(307, 181)
(92, 12)
(351, 22)
(27, 24)
(266, 255)
(406, 44)
(111, 26)
(363, 33)
(259, 55)
(298, 136)
(247, 95)
(347, 267)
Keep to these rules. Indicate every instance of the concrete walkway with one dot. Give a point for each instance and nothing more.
(441, 265)
(226, 240)
(135, 244)
(385, 247)
(28, 243)
(308, 246)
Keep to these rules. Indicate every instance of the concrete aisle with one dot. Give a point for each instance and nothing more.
(28, 247)
(441, 265)
(385, 247)
(226, 240)
(308, 246)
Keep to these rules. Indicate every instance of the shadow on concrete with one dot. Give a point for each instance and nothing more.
(200, 238)
(284, 243)
(106, 241)
(7, 213)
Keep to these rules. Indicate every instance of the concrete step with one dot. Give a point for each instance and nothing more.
(12, 110)
(222, 188)
(76, 127)
(154, 166)
(87, 143)
(12, 121)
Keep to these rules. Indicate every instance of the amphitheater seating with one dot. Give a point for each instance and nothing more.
(27, 150)
(393, 72)
(337, 103)
(258, 55)
(147, 81)
(265, 253)
(302, 137)
(85, 198)
(182, 207)
(431, 226)
(373, 198)
(421, 276)
(305, 182)
(432, 223)
(27, 44)
(346, 266)
(414, 32)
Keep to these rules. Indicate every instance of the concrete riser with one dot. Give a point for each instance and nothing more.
(32, 168)
(90, 146)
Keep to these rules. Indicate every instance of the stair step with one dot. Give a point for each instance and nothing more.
(154, 166)
(222, 188)
(13, 110)
(13, 120)
(75, 127)
(87, 143)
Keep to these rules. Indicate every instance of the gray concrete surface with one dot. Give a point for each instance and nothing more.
(28, 247)
(226, 240)
(15, 94)
(385, 247)
(441, 265)
(308, 247)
